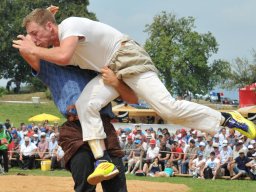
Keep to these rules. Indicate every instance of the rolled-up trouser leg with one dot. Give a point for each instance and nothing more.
(95, 96)
(191, 115)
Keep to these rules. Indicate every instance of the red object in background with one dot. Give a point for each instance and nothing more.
(247, 95)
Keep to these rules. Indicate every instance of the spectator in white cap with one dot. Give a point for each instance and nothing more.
(252, 167)
(250, 151)
(216, 138)
(197, 166)
(253, 142)
(200, 138)
(226, 144)
(27, 154)
(202, 148)
(34, 139)
(225, 158)
(240, 169)
(193, 135)
(53, 144)
(122, 140)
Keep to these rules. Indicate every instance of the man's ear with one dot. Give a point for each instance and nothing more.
(49, 26)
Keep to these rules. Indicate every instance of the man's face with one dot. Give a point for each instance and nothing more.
(191, 144)
(40, 35)
(241, 155)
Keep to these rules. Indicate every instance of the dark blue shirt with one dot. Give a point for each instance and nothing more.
(241, 163)
(66, 84)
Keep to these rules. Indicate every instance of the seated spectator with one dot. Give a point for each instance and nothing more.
(231, 138)
(193, 135)
(198, 165)
(240, 169)
(209, 147)
(216, 149)
(52, 145)
(27, 154)
(43, 146)
(169, 140)
(253, 143)
(122, 140)
(225, 158)
(238, 147)
(222, 135)
(35, 140)
(169, 170)
(250, 151)
(14, 147)
(153, 168)
(152, 151)
(200, 138)
(252, 167)
(128, 148)
(30, 131)
(57, 161)
(176, 155)
(213, 165)
(164, 153)
(136, 157)
(202, 148)
(189, 156)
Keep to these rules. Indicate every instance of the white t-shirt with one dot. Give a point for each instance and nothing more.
(198, 162)
(212, 164)
(152, 153)
(224, 155)
(27, 150)
(96, 49)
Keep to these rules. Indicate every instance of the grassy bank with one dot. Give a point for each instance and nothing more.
(18, 113)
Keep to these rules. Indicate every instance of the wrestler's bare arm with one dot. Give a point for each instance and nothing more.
(61, 54)
(33, 61)
(125, 92)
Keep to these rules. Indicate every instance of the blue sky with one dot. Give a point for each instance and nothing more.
(232, 22)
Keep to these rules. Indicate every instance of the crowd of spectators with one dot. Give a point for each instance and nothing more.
(149, 152)
(28, 145)
(162, 153)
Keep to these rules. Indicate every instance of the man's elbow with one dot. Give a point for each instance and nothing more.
(64, 60)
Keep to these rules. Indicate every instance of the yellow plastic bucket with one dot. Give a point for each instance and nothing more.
(46, 165)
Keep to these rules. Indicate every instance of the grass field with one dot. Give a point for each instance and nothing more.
(21, 112)
(196, 185)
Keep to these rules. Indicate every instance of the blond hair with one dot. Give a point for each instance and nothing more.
(39, 16)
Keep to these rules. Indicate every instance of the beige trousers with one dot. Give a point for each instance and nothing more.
(147, 85)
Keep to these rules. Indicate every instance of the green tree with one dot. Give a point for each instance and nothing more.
(12, 12)
(242, 72)
(181, 55)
